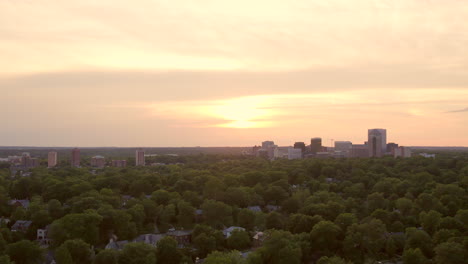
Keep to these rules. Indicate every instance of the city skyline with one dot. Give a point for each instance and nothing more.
(224, 73)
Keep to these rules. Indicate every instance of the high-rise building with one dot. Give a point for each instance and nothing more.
(316, 145)
(98, 162)
(300, 145)
(52, 159)
(139, 157)
(377, 142)
(267, 144)
(75, 157)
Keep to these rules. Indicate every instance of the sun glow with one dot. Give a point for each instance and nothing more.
(244, 112)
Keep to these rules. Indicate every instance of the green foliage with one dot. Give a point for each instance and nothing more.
(107, 256)
(74, 251)
(25, 252)
(167, 251)
(137, 253)
(238, 240)
(450, 253)
(356, 217)
(233, 257)
(83, 226)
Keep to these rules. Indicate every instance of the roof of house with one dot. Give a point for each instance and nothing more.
(179, 233)
(24, 203)
(231, 229)
(255, 208)
(151, 239)
(21, 224)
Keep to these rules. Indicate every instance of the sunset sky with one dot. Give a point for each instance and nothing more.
(232, 73)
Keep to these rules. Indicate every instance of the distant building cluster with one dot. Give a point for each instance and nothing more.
(375, 146)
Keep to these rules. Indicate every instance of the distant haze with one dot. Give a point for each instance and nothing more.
(232, 73)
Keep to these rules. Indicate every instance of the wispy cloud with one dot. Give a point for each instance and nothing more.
(458, 111)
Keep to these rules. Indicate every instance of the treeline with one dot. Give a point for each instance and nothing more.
(312, 210)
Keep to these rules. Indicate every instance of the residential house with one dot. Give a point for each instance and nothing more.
(183, 237)
(17, 203)
(21, 226)
(228, 231)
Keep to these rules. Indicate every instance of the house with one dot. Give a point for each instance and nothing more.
(258, 239)
(42, 238)
(255, 209)
(150, 239)
(116, 245)
(17, 203)
(4, 221)
(271, 208)
(21, 226)
(198, 215)
(183, 237)
(228, 231)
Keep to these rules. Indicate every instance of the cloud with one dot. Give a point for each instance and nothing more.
(457, 111)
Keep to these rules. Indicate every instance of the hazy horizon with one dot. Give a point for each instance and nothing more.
(223, 73)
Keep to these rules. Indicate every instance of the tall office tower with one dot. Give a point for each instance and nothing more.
(75, 157)
(52, 159)
(316, 145)
(139, 157)
(300, 145)
(377, 142)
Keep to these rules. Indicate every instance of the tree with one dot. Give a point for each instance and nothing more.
(450, 253)
(186, 214)
(332, 260)
(414, 256)
(325, 237)
(430, 221)
(83, 226)
(167, 252)
(217, 214)
(419, 239)
(238, 240)
(25, 252)
(137, 253)
(246, 219)
(344, 220)
(205, 244)
(107, 256)
(75, 250)
(233, 257)
(279, 248)
(274, 220)
(299, 223)
(63, 256)
(5, 260)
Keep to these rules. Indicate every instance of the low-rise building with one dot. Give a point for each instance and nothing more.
(294, 153)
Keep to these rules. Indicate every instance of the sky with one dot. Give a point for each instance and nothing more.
(161, 73)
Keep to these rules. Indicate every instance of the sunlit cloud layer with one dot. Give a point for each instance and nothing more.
(206, 72)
